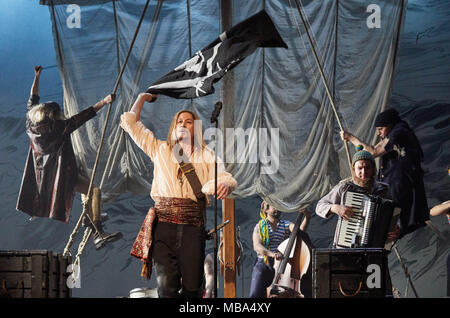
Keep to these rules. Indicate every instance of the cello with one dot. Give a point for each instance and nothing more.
(294, 266)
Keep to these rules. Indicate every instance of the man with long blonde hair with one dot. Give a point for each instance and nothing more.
(173, 233)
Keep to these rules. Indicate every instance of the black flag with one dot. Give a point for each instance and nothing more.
(195, 77)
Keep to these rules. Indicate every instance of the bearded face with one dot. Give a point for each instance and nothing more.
(364, 183)
(274, 212)
(364, 173)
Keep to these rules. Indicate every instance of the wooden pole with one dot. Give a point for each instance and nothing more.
(229, 249)
(229, 231)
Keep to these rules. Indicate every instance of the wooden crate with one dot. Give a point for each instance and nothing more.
(341, 273)
(34, 274)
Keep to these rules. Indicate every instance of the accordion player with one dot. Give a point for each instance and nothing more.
(373, 217)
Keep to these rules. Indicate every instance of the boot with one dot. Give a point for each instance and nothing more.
(100, 237)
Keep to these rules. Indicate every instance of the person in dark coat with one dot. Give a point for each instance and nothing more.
(51, 176)
(400, 167)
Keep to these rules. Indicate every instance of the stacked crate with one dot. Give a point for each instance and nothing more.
(339, 273)
(34, 274)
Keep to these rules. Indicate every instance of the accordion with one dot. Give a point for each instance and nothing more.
(373, 217)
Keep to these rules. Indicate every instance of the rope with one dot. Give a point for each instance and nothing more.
(301, 39)
(397, 41)
(405, 270)
(188, 10)
(116, 28)
(89, 194)
(77, 260)
(323, 78)
(112, 158)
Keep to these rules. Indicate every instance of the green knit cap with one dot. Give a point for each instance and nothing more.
(362, 155)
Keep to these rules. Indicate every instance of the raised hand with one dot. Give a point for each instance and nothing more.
(345, 136)
(37, 70)
(149, 98)
(106, 100)
(109, 99)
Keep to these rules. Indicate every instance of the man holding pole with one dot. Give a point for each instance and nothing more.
(400, 168)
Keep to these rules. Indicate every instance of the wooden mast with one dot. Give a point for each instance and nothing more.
(229, 249)
(228, 212)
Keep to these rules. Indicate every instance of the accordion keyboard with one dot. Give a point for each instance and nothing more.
(353, 227)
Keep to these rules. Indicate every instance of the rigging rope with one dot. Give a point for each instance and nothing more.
(89, 194)
(405, 269)
(112, 158)
(188, 11)
(301, 40)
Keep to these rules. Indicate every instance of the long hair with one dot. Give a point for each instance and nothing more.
(45, 112)
(172, 139)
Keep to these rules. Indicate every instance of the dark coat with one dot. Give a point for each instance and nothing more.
(401, 168)
(50, 174)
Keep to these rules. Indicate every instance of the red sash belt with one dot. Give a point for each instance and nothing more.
(171, 210)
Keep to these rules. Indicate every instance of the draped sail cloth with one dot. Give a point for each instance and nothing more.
(273, 88)
(195, 77)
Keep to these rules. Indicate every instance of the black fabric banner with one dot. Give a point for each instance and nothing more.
(195, 77)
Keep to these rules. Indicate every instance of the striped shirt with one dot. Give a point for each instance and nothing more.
(282, 232)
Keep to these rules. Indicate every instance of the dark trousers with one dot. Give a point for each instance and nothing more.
(262, 277)
(178, 256)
